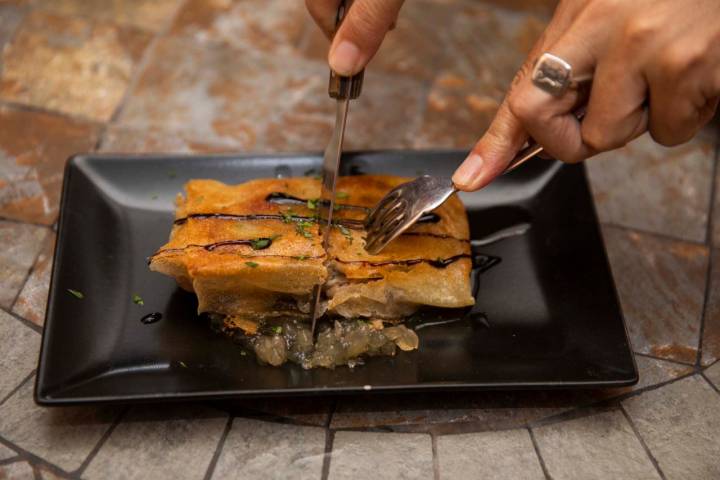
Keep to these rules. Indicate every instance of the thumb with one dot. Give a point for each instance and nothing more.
(361, 33)
(492, 153)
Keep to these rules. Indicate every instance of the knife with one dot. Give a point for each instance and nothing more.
(342, 89)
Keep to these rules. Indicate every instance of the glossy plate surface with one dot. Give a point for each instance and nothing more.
(553, 318)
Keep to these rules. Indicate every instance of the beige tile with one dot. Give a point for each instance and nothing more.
(598, 446)
(32, 300)
(71, 65)
(34, 147)
(62, 436)
(17, 471)
(654, 188)
(661, 284)
(711, 330)
(255, 449)
(19, 346)
(381, 456)
(21, 244)
(488, 455)
(176, 441)
(679, 423)
(713, 374)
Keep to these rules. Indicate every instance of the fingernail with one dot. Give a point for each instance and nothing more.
(469, 170)
(344, 58)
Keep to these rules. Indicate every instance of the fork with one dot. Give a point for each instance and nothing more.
(407, 203)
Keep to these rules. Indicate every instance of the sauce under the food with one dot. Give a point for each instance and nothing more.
(345, 342)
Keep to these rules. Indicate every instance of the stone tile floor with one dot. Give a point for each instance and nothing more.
(231, 75)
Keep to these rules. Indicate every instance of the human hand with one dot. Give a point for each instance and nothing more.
(656, 67)
(360, 34)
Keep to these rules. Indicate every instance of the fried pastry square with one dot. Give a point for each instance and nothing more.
(253, 251)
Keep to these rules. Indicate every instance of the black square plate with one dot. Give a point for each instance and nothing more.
(553, 318)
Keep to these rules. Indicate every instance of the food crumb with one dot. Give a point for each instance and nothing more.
(76, 293)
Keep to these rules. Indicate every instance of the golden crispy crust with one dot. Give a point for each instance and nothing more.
(213, 251)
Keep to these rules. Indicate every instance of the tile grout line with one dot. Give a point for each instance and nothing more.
(26, 456)
(653, 357)
(712, 385)
(657, 235)
(30, 270)
(541, 460)
(24, 107)
(709, 243)
(24, 321)
(100, 443)
(435, 459)
(327, 457)
(219, 448)
(24, 222)
(18, 387)
(136, 74)
(652, 458)
(705, 307)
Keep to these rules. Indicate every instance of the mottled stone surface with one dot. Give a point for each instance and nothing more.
(679, 423)
(170, 442)
(19, 346)
(150, 15)
(118, 139)
(381, 456)
(661, 284)
(711, 332)
(653, 371)
(32, 301)
(489, 45)
(597, 446)
(268, 26)
(488, 455)
(201, 98)
(17, 471)
(256, 449)
(302, 410)
(716, 207)
(33, 149)
(6, 453)
(484, 410)
(70, 64)
(63, 436)
(713, 374)
(21, 244)
(10, 17)
(668, 188)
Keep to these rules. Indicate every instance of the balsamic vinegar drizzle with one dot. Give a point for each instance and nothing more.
(151, 318)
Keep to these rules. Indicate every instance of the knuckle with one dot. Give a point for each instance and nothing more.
(669, 137)
(599, 140)
(640, 30)
(678, 58)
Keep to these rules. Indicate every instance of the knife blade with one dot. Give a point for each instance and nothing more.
(342, 89)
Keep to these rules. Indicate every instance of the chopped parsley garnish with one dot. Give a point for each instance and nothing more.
(301, 257)
(172, 174)
(182, 364)
(344, 230)
(301, 227)
(277, 330)
(287, 215)
(137, 300)
(260, 243)
(76, 293)
(252, 264)
(312, 203)
(342, 195)
(243, 353)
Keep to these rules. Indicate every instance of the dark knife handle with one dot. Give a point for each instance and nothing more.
(341, 87)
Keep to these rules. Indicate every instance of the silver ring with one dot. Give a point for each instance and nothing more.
(554, 75)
